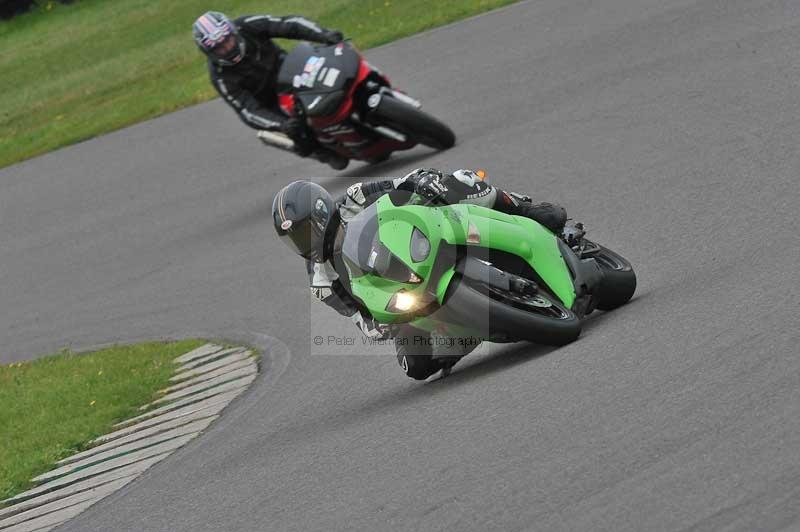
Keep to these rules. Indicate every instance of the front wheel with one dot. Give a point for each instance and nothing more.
(415, 124)
(496, 313)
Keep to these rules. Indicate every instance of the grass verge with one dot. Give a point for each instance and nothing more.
(71, 72)
(53, 406)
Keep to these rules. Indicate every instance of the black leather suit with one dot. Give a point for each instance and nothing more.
(249, 86)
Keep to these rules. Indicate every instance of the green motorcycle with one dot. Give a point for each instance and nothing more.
(468, 271)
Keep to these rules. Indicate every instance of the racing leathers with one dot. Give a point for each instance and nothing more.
(249, 85)
(462, 186)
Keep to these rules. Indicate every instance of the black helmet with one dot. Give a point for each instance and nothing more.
(218, 38)
(302, 212)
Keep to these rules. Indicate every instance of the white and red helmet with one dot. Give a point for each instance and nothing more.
(218, 38)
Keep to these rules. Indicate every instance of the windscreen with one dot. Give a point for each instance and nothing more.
(364, 253)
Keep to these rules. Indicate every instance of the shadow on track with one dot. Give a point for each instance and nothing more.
(405, 394)
(394, 163)
(597, 317)
(402, 394)
(508, 356)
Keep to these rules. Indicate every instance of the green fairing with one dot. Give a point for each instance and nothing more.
(513, 234)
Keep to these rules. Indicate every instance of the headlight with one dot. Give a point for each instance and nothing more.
(420, 246)
(401, 301)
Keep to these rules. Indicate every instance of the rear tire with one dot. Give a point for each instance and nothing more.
(415, 124)
(619, 280)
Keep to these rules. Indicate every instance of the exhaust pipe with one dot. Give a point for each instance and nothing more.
(277, 140)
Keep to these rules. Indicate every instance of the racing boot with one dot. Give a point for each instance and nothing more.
(447, 351)
(446, 369)
(380, 158)
(303, 146)
(549, 215)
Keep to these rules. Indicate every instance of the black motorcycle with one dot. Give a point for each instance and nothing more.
(350, 106)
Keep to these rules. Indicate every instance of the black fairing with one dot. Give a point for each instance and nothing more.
(321, 104)
(319, 75)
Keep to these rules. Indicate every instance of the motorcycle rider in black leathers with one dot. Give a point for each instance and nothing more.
(311, 222)
(243, 64)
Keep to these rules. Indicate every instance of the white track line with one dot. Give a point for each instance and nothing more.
(217, 376)
(207, 376)
(93, 494)
(197, 353)
(207, 385)
(195, 398)
(235, 358)
(196, 363)
(112, 449)
(210, 406)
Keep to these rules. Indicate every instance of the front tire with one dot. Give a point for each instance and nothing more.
(415, 124)
(494, 314)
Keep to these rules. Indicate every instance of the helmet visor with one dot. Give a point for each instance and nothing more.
(228, 49)
(303, 238)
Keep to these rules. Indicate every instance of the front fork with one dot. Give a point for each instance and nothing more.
(586, 275)
(398, 95)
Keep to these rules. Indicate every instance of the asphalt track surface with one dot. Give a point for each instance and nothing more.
(669, 127)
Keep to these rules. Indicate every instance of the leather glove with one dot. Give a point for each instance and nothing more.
(371, 328)
(430, 185)
(297, 130)
(409, 181)
(295, 127)
(573, 233)
(523, 198)
(332, 36)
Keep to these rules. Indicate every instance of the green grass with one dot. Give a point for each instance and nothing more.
(51, 407)
(71, 72)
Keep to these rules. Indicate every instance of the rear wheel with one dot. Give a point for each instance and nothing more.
(619, 280)
(413, 123)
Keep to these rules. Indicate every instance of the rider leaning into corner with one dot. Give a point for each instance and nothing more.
(311, 223)
(243, 64)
